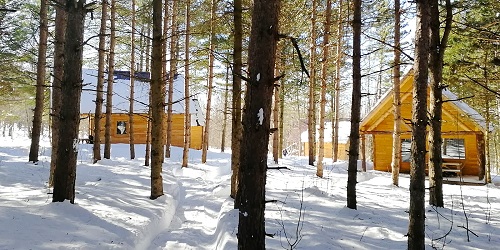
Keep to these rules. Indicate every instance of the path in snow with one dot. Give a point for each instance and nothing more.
(195, 222)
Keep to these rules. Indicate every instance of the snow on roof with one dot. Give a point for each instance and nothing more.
(471, 113)
(121, 94)
(344, 131)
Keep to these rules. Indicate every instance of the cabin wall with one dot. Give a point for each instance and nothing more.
(140, 130)
(342, 152)
(383, 153)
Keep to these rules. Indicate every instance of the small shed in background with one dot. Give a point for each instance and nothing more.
(120, 117)
(462, 132)
(343, 144)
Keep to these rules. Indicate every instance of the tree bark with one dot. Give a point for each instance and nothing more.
(396, 100)
(131, 133)
(276, 108)
(171, 77)
(224, 112)
(157, 104)
(311, 112)
(40, 83)
(436, 57)
(187, 97)
(109, 91)
(355, 106)
(100, 83)
(69, 116)
(165, 73)
(210, 82)
(416, 227)
(60, 31)
(338, 64)
(236, 127)
(256, 124)
(324, 74)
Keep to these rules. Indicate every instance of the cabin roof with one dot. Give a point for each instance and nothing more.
(121, 94)
(469, 118)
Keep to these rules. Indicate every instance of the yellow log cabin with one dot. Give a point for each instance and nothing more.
(462, 131)
(120, 125)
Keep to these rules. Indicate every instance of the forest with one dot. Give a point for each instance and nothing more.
(180, 82)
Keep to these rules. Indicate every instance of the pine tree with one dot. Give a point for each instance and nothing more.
(416, 227)
(40, 83)
(256, 124)
(132, 84)
(69, 116)
(396, 136)
(211, 57)
(236, 126)
(109, 90)
(187, 97)
(100, 83)
(355, 106)
(157, 104)
(311, 112)
(60, 31)
(436, 57)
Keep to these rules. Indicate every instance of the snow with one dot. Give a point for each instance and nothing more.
(260, 116)
(112, 208)
(344, 131)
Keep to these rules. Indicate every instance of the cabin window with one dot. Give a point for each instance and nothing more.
(405, 150)
(121, 127)
(453, 148)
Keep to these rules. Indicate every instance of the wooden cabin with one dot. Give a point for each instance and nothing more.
(120, 125)
(343, 143)
(462, 132)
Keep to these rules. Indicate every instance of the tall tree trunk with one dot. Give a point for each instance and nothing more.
(224, 112)
(416, 227)
(157, 106)
(147, 56)
(396, 103)
(165, 73)
(324, 74)
(69, 116)
(436, 57)
(311, 112)
(111, 72)
(355, 106)
(210, 82)
(187, 100)
(338, 64)
(236, 127)
(171, 77)
(141, 50)
(256, 124)
(131, 133)
(276, 108)
(60, 31)
(40, 84)
(100, 83)
(147, 156)
(281, 116)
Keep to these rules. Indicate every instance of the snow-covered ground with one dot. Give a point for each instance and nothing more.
(112, 209)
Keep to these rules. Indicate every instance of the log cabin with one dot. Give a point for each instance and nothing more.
(120, 125)
(463, 131)
(343, 141)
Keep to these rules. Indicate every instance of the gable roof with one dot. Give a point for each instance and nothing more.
(466, 118)
(121, 94)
